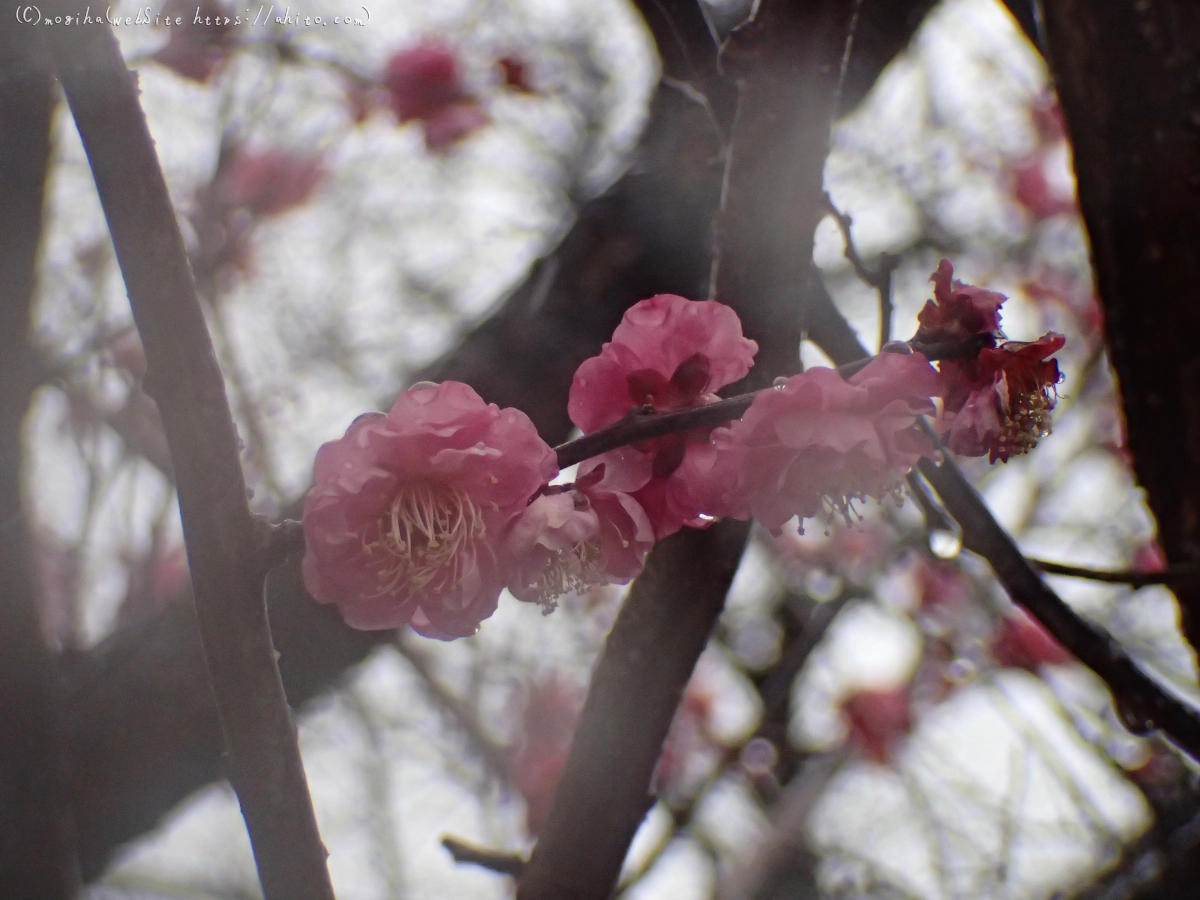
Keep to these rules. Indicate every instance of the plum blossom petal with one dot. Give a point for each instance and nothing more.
(818, 442)
(269, 182)
(579, 535)
(879, 720)
(409, 510)
(999, 404)
(958, 312)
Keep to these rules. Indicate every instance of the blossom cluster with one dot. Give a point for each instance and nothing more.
(424, 514)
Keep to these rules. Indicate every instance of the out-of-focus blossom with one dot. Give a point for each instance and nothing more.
(1047, 117)
(409, 511)
(940, 585)
(1150, 558)
(1032, 189)
(820, 441)
(197, 47)
(125, 351)
(548, 726)
(269, 182)
(1022, 643)
(579, 535)
(688, 742)
(516, 74)
(424, 83)
(153, 582)
(879, 720)
(958, 312)
(999, 404)
(667, 353)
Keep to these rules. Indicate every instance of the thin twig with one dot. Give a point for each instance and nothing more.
(1173, 575)
(646, 422)
(225, 542)
(504, 863)
(494, 756)
(879, 278)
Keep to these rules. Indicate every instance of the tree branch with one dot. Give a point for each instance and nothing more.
(1124, 74)
(1175, 575)
(1143, 704)
(786, 64)
(36, 855)
(636, 687)
(880, 278)
(224, 541)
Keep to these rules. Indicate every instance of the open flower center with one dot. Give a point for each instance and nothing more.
(429, 535)
(571, 570)
(1026, 417)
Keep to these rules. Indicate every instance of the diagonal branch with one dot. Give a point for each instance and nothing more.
(1143, 704)
(223, 538)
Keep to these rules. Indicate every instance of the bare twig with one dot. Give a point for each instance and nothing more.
(504, 863)
(224, 540)
(879, 278)
(493, 755)
(1173, 575)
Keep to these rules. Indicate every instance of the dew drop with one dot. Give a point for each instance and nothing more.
(946, 543)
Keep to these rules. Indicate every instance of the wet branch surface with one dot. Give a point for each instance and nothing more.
(224, 540)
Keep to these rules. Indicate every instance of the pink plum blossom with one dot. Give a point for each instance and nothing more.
(268, 182)
(579, 535)
(424, 83)
(1022, 643)
(999, 404)
(818, 442)
(548, 727)
(196, 49)
(958, 312)
(409, 510)
(668, 353)
(879, 720)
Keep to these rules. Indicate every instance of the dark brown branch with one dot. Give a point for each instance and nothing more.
(1143, 704)
(1125, 74)
(636, 687)
(786, 64)
(879, 278)
(36, 855)
(1175, 575)
(224, 541)
(504, 863)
